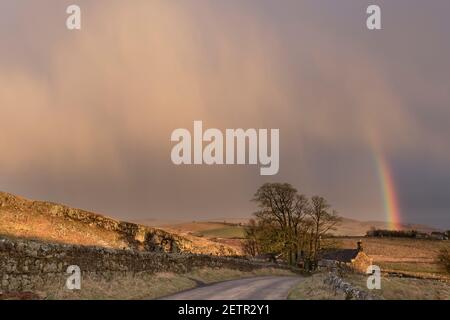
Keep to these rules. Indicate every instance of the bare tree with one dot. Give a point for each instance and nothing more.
(282, 208)
(323, 221)
(287, 222)
(251, 243)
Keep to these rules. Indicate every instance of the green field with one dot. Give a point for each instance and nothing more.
(226, 232)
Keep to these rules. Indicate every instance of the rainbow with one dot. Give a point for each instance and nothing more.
(391, 206)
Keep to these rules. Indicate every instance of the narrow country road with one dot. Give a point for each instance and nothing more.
(257, 288)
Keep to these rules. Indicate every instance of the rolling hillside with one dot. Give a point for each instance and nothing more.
(51, 222)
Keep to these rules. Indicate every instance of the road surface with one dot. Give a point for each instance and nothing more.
(256, 288)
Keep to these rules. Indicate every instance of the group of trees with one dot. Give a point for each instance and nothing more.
(379, 233)
(289, 223)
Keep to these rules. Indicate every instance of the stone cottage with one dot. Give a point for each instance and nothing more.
(354, 259)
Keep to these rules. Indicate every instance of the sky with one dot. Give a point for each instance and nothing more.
(87, 115)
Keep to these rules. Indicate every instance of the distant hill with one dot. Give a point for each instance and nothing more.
(221, 228)
(52, 222)
(351, 227)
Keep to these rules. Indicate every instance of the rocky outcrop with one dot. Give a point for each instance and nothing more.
(27, 265)
(129, 235)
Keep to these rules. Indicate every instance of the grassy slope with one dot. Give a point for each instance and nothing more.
(33, 225)
(313, 288)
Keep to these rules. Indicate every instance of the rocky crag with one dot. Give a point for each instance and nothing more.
(52, 222)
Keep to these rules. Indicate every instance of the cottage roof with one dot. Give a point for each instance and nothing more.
(341, 255)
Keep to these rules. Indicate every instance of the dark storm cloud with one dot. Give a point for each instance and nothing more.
(89, 114)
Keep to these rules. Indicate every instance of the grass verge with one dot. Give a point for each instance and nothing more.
(392, 288)
(313, 288)
(150, 286)
(397, 288)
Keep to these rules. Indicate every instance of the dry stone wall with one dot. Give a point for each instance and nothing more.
(27, 265)
(351, 292)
